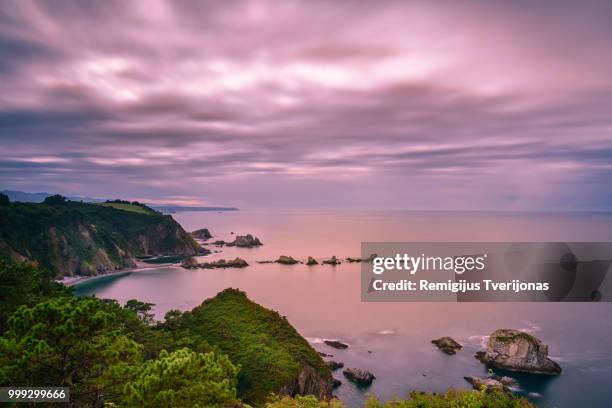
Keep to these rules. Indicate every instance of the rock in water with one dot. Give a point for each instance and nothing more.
(334, 365)
(190, 263)
(202, 233)
(222, 263)
(447, 345)
(515, 350)
(332, 261)
(286, 260)
(246, 241)
(335, 344)
(311, 261)
(359, 376)
(336, 383)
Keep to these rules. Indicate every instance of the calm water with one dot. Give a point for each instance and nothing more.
(392, 339)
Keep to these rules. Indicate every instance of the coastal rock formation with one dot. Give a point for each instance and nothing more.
(286, 260)
(447, 345)
(219, 242)
(359, 376)
(334, 365)
(222, 263)
(336, 344)
(245, 241)
(273, 356)
(311, 261)
(202, 233)
(73, 238)
(518, 351)
(336, 383)
(332, 261)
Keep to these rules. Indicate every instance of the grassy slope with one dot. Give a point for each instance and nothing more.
(270, 351)
(129, 207)
(58, 236)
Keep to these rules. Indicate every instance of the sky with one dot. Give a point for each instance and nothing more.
(317, 104)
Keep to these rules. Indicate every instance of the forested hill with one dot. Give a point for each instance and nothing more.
(74, 238)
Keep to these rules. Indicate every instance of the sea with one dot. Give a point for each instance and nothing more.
(391, 339)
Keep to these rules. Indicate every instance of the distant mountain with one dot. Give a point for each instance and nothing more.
(24, 197)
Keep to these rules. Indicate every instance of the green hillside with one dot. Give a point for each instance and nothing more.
(78, 238)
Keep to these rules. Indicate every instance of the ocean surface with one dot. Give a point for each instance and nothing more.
(392, 340)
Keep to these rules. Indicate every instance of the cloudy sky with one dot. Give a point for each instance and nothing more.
(314, 104)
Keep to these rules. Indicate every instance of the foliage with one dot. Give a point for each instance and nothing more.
(301, 402)
(22, 284)
(134, 206)
(269, 350)
(69, 341)
(142, 309)
(55, 199)
(183, 379)
(455, 399)
(4, 200)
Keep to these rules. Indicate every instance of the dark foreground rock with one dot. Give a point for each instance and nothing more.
(332, 261)
(514, 350)
(359, 376)
(447, 345)
(336, 344)
(311, 261)
(334, 365)
(286, 260)
(336, 383)
(245, 241)
(202, 233)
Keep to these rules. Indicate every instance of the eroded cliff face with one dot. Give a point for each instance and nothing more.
(309, 382)
(87, 239)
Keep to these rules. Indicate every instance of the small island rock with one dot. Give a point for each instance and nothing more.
(332, 261)
(286, 260)
(447, 345)
(222, 263)
(311, 261)
(245, 241)
(359, 376)
(202, 233)
(515, 350)
(190, 263)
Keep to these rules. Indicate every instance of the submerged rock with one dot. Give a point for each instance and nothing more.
(286, 260)
(222, 263)
(515, 350)
(359, 376)
(447, 345)
(202, 233)
(245, 241)
(311, 261)
(336, 344)
(332, 261)
(369, 259)
(334, 365)
(219, 243)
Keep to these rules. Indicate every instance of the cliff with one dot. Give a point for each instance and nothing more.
(73, 238)
(273, 356)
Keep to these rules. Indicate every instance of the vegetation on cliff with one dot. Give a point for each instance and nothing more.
(271, 353)
(70, 238)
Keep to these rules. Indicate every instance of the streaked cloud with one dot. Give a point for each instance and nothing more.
(310, 104)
